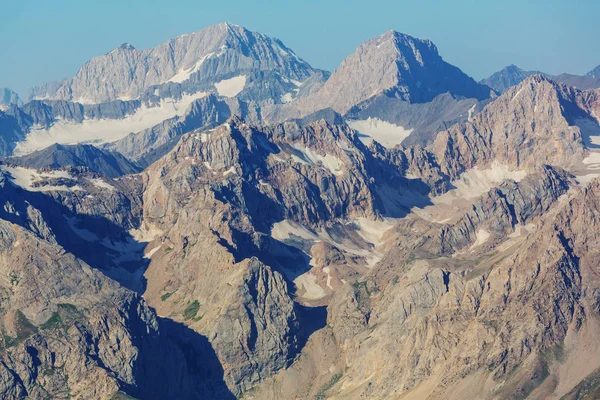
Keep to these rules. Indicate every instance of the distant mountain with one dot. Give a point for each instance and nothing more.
(9, 98)
(399, 80)
(399, 66)
(510, 76)
(222, 58)
(109, 164)
(585, 82)
(595, 73)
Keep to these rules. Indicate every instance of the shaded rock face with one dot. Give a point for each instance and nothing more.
(595, 73)
(585, 82)
(425, 120)
(291, 260)
(508, 77)
(258, 333)
(9, 98)
(109, 164)
(69, 331)
(149, 145)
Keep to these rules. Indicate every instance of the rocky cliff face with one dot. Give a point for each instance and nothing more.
(69, 331)
(530, 125)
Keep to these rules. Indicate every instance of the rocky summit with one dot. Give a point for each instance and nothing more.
(213, 218)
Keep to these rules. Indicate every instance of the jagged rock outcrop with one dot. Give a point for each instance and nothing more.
(531, 125)
(9, 98)
(503, 208)
(446, 248)
(69, 331)
(475, 326)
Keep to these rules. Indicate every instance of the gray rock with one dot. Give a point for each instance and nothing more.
(508, 77)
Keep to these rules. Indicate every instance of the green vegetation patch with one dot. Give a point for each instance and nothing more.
(24, 329)
(54, 322)
(191, 310)
(165, 296)
(334, 379)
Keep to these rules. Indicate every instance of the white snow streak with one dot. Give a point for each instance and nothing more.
(386, 133)
(231, 87)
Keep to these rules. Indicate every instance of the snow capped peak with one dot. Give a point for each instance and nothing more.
(126, 73)
(127, 46)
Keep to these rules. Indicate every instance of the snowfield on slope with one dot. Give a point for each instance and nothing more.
(98, 131)
(231, 87)
(383, 132)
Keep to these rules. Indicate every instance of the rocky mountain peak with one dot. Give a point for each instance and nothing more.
(8, 97)
(127, 46)
(506, 78)
(397, 65)
(404, 46)
(195, 61)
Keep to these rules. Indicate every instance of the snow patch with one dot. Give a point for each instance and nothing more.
(231, 87)
(312, 290)
(99, 183)
(593, 158)
(81, 232)
(99, 131)
(149, 254)
(285, 229)
(330, 161)
(372, 231)
(327, 270)
(482, 237)
(229, 171)
(386, 133)
(287, 98)
(26, 177)
(517, 94)
(471, 112)
(184, 74)
(476, 182)
(583, 180)
(145, 233)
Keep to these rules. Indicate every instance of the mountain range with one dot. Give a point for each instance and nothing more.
(213, 218)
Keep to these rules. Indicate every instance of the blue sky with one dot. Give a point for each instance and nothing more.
(45, 40)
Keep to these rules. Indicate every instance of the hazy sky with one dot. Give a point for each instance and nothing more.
(45, 40)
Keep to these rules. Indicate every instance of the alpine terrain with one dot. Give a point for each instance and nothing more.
(214, 218)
